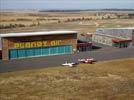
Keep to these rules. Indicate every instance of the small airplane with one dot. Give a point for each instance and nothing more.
(69, 64)
(86, 60)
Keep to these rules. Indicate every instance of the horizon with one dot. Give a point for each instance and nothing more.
(72, 9)
(66, 4)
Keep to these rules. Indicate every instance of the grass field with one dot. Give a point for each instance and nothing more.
(108, 80)
(82, 22)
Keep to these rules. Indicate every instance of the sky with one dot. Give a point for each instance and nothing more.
(66, 4)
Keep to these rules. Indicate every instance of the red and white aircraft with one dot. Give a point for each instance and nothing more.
(86, 60)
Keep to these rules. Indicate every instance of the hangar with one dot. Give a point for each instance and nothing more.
(117, 37)
(36, 44)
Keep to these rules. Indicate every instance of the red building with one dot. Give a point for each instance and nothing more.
(84, 46)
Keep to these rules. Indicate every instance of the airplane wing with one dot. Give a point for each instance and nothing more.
(70, 65)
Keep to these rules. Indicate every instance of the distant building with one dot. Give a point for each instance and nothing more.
(118, 37)
(84, 42)
(86, 37)
(84, 46)
(133, 38)
(0, 49)
(37, 44)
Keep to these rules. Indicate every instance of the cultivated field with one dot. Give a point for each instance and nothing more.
(83, 21)
(109, 80)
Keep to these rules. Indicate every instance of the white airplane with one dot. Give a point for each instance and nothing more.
(69, 64)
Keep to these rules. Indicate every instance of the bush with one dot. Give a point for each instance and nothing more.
(23, 19)
(11, 26)
(31, 25)
(21, 25)
(2, 26)
(40, 19)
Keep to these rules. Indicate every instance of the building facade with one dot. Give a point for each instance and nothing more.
(133, 38)
(124, 33)
(83, 46)
(118, 37)
(36, 44)
(103, 39)
(85, 42)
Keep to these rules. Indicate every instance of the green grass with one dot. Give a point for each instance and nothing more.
(110, 80)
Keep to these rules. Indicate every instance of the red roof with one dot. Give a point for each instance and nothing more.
(82, 34)
(87, 34)
(84, 44)
(120, 40)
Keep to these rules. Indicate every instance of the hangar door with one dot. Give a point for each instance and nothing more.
(37, 52)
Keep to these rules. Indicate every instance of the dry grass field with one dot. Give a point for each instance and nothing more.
(108, 80)
(79, 21)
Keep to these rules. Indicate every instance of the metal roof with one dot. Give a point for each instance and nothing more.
(132, 28)
(111, 36)
(36, 33)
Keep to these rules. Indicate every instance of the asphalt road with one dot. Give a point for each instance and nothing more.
(106, 53)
